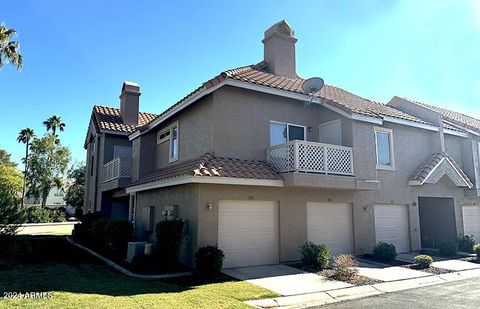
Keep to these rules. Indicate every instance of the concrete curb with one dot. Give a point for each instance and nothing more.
(123, 270)
(350, 293)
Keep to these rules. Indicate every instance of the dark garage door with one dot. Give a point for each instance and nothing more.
(437, 221)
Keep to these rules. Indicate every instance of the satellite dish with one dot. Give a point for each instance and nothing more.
(312, 85)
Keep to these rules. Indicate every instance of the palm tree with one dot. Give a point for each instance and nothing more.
(25, 136)
(53, 123)
(9, 50)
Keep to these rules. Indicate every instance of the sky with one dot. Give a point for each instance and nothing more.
(78, 53)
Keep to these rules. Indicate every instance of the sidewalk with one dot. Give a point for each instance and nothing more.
(342, 294)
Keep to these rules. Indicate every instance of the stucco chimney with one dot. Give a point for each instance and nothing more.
(279, 49)
(129, 102)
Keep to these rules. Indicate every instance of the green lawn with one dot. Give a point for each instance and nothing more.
(77, 280)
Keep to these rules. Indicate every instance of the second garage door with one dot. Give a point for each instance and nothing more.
(331, 224)
(248, 232)
(471, 221)
(391, 225)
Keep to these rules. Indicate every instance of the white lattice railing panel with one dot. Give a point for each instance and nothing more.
(282, 158)
(117, 168)
(310, 157)
(340, 160)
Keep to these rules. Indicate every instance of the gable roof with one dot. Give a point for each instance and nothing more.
(452, 118)
(107, 119)
(208, 165)
(335, 97)
(426, 170)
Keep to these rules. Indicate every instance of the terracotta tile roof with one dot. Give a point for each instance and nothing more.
(348, 102)
(455, 118)
(108, 118)
(427, 167)
(208, 165)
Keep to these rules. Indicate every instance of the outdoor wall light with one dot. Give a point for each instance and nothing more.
(209, 206)
(310, 129)
(366, 207)
(414, 204)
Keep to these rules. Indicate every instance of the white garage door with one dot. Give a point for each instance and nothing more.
(391, 226)
(471, 221)
(248, 232)
(331, 224)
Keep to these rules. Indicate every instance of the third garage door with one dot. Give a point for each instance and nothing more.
(331, 224)
(471, 221)
(391, 225)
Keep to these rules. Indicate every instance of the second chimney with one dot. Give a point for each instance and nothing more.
(129, 102)
(279, 49)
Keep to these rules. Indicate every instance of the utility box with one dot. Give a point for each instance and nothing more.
(135, 249)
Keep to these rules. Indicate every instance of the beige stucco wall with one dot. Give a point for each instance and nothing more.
(235, 123)
(185, 197)
(242, 118)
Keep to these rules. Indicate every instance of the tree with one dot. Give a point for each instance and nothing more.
(25, 136)
(47, 162)
(5, 158)
(10, 186)
(76, 190)
(9, 50)
(53, 123)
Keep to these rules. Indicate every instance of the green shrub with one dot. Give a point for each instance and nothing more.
(423, 260)
(315, 257)
(97, 235)
(448, 249)
(169, 240)
(209, 260)
(83, 232)
(476, 249)
(143, 263)
(37, 214)
(345, 267)
(117, 235)
(324, 257)
(466, 243)
(384, 252)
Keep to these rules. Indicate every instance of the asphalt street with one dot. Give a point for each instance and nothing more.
(459, 294)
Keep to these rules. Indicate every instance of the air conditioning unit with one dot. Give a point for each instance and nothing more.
(134, 249)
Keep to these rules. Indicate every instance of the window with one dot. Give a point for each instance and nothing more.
(174, 144)
(384, 148)
(170, 134)
(283, 132)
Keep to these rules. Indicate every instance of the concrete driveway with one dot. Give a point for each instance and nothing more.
(284, 280)
(387, 273)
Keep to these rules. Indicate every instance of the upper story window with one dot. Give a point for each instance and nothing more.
(384, 148)
(283, 132)
(170, 135)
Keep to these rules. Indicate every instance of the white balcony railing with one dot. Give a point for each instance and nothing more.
(311, 157)
(119, 167)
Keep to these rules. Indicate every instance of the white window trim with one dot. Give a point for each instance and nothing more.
(392, 153)
(289, 124)
(169, 128)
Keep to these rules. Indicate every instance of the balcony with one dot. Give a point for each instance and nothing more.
(311, 157)
(310, 164)
(116, 173)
